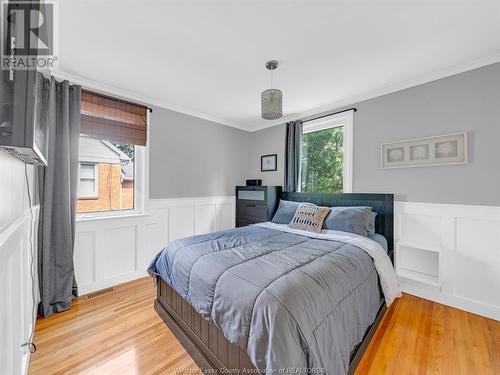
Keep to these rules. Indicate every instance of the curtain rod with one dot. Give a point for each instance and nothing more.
(331, 114)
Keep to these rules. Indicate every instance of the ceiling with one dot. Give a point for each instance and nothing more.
(207, 58)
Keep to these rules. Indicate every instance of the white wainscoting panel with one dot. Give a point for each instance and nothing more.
(120, 246)
(17, 299)
(225, 217)
(450, 254)
(155, 238)
(85, 256)
(113, 250)
(18, 278)
(205, 218)
(182, 220)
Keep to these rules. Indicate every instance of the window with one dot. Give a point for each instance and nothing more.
(112, 152)
(88, 180)
(326, 164)
(107, 176)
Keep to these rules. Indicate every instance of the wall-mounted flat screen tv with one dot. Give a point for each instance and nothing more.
(22, 133)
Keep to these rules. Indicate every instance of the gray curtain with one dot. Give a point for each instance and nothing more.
(60, 109)
(292, 155)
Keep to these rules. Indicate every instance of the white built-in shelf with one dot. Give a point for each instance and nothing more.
(449, 253)
(419, 277)
(418, 262)
(420, 245)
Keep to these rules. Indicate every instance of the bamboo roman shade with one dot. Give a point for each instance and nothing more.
(112, 119)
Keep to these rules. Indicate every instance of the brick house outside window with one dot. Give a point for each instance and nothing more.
(106, 177)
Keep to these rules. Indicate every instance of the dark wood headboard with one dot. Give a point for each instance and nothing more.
(382, 204)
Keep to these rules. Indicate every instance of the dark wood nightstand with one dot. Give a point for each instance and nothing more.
(256, 204)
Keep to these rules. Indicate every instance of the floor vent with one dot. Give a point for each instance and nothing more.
(98, 293)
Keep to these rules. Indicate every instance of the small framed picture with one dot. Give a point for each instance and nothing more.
(269, 162)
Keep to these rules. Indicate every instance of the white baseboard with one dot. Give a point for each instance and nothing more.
(116, 250)
(459, 246)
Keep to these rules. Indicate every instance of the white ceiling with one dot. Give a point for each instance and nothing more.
(207, 58)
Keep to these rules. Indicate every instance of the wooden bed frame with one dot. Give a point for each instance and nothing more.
(206, 343)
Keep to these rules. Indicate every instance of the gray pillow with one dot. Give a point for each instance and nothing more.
(380, 239)
(284, 213)
(349, 219)
(309, 217)
(371, 224)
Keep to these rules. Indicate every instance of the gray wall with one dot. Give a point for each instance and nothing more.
(468, 101)
(192, 157)
(264, 142)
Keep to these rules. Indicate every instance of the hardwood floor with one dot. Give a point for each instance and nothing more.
(120, 333)
(422, 337)
(117, 333)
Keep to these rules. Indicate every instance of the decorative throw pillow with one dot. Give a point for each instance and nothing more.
(349, 219)
(284, 213)
(309, 217)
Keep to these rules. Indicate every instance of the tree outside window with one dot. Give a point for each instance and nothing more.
(323, 160)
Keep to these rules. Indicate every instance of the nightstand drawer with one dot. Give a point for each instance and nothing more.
(258, 211)
(251, 195)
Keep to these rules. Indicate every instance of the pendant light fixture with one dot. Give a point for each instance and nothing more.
(272, 99)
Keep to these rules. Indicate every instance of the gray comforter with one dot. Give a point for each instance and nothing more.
(293, 302)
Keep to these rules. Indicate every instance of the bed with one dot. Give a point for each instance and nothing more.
(247, 288)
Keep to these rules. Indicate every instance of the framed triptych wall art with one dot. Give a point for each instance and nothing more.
(429, 151)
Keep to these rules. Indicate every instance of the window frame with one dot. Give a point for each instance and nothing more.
(141, 188)
(345, 120)
(95, 193)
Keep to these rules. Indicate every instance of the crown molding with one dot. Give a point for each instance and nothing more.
(119, 93)
(426, 78)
